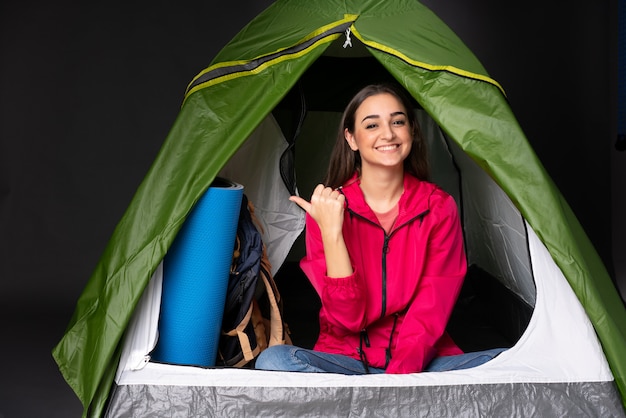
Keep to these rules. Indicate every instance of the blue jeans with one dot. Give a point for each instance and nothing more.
(295, 359)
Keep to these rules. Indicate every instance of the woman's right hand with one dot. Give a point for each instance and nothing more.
(326, 208)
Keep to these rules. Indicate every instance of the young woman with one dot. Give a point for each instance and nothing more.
(384, 251)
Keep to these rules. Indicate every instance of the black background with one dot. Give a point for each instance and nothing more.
(89, 90)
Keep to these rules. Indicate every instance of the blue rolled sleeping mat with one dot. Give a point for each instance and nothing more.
(195, 277)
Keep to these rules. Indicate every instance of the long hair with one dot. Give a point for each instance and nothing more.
(344, 161)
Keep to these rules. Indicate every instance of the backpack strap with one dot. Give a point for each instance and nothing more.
(244, 341)
(276, 334)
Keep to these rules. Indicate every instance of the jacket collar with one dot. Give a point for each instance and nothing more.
(415, 199)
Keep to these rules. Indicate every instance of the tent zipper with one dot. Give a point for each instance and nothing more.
(230, 69)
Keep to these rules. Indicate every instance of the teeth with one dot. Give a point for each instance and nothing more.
(387, 148)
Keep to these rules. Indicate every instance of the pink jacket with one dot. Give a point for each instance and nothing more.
(393, 310)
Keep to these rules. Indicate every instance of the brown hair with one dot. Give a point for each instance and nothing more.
(344, 161)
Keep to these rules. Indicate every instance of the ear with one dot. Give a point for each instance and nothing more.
(350, 140)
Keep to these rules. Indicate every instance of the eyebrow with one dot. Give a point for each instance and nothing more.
(378, 116)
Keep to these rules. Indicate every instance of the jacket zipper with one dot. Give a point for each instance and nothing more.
(383, 309)
(385, 250)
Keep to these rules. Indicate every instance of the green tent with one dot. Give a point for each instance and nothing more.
(326, 49)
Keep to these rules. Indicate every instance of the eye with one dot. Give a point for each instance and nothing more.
(371, 126)
(399, 122)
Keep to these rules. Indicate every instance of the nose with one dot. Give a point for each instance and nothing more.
(387, 133)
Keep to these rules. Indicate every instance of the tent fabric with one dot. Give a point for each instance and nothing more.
(263, 62)
(584, 399)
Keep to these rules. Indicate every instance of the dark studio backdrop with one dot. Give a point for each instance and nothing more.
(89, 90)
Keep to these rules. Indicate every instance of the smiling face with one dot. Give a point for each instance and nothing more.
(382, 133)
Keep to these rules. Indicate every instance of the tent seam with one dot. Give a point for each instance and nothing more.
(430, 67)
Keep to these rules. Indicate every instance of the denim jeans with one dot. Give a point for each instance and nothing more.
(296, 359)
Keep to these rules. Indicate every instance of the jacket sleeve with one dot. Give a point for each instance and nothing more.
(437, 292)
(343, 299)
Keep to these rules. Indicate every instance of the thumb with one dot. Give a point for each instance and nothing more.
(301, 202)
